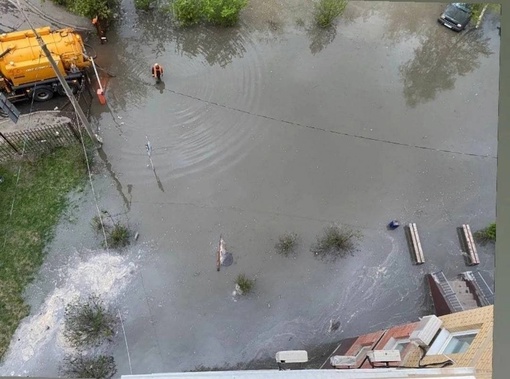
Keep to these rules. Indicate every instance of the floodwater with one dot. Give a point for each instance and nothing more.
(275, 126)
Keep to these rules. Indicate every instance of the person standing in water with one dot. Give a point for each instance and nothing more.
(157, 71)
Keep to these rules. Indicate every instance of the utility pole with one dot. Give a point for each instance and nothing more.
(95, 138)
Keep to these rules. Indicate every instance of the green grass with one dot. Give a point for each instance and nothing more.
(118, 236)
(88, 322)
(245, 284)
(39, 201)
(486, 235)
(326, 11)
(287, 244)
(335, 242)
(78, 366)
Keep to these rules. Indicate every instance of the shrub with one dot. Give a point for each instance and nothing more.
(143, 4)
(90, 8)
(326, 11)
(78, 366)
(223, 12)
(286, 244)
(96, 223)
(88, 323)
(335, 242)
(187, 12)
(487, 234)
(118, 236)
(244, 284)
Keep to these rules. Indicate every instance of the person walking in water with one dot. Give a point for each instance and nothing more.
(157, 72)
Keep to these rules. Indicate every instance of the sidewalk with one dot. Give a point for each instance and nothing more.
(35, 119)
(40, 14)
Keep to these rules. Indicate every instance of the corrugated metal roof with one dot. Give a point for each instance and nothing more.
(380, 373)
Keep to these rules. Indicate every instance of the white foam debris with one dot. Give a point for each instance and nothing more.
(102, 274)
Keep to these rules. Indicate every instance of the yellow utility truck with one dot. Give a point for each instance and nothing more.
(25, 71)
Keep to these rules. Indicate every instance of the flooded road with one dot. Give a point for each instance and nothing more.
(276, 126)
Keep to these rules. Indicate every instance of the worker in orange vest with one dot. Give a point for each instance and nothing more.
(157, 71)
(100, 31)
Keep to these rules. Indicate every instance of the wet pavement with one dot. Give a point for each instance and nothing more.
(275, 126)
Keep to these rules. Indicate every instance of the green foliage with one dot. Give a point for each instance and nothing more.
(88, 323)
(38, 198)
(217, 12)
(487, 234)
(223, 12)
(335, 242)
(286, 244)
(90, 8)
(245, 284)
(118, 236)
(187, 12)
(143, 4)
(477, 9)
(78, 366)
(326, 11)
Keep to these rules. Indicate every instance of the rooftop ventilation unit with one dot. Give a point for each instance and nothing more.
(292, 356)
(342, 360)
(426, 330)
(384, 356)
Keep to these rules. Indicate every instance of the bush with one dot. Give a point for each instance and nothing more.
(335, 242)
(118, 236)
(223, 12)
(88, 323)
(487, 234)
(286, 244)
(96, 223)
(143, 4)
(187, 12)
(326, 11)
(245, 285)
(90, 8)
(78, 366)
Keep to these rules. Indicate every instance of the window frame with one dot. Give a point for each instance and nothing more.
(440, 349)
(394, 342)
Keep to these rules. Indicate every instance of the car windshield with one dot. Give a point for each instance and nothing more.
(457, 13)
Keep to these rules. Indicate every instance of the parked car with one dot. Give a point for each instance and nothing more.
(456, 16)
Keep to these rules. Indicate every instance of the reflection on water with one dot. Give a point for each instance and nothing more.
(405, 20)
(439, 59)
(320, 38)
(218, 46)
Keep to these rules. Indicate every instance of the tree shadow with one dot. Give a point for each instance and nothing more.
(437, 62)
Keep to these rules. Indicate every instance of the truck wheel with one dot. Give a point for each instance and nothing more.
(61, 91)
(43, 94)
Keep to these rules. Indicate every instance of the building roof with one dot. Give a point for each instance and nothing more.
(479, 353)
(382, 373)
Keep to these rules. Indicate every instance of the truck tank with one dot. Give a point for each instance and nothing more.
(23, 62)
